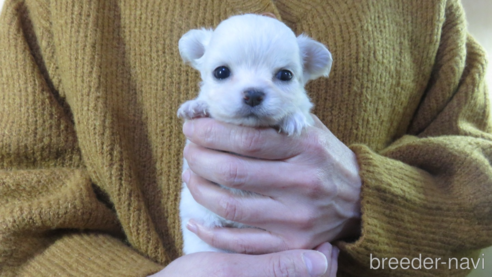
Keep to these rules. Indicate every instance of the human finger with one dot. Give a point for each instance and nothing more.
(286, 263)
(248, 210)
(260, 176)
(331, 252)
(239, 240)
(263, 143)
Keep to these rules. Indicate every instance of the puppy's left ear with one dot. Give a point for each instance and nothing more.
(316, 58)
(192, 45)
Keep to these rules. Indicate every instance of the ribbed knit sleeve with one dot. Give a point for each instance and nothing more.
(53, 221)
(429, 193)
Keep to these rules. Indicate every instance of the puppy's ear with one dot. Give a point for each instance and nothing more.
(316, 58)
(192, 45)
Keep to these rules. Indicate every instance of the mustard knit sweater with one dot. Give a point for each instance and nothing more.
(91, 148)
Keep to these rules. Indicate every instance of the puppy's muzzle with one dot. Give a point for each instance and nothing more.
(253, 97)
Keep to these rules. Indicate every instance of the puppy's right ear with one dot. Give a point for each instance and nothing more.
(316, 58)
(192, 45)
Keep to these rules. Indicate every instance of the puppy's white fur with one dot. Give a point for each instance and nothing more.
(254, 48)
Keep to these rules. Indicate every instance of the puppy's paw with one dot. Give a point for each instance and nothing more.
(193, 109)
(295, 123)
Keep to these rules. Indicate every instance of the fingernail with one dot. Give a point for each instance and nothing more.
(316, 263)
(336, 251)
(191, 226)
(188, 128)
(186, 176)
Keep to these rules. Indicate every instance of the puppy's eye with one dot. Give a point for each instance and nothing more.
(284, 75)
(222, 72)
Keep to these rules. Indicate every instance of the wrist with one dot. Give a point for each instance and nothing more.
(351, 228)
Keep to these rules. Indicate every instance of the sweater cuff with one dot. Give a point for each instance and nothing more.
(89, 254)
(404, 215)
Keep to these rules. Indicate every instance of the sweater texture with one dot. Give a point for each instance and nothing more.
(91, 148)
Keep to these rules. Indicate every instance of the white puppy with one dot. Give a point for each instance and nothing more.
(253, 71)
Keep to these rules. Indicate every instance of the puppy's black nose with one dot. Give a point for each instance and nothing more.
(253, 97)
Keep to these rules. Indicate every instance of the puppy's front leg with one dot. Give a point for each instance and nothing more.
(294, 123)
(193, 109)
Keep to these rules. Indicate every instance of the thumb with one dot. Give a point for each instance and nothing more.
(296, 263)
(331, 252)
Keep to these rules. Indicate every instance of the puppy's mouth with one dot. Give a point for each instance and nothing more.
(255, 116)
(251, 116)
(257, 112)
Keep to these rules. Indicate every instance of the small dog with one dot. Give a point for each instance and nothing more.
(253, 71)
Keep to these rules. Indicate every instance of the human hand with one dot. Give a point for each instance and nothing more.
(286, 263)
(308, 186)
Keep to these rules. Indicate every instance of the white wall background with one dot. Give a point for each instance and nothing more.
(478, 13)
(479, 17)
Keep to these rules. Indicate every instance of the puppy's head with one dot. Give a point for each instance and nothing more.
(254, 69)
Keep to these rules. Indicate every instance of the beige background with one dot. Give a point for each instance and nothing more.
(479, 14)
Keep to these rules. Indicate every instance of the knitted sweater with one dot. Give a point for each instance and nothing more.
(91, 148)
